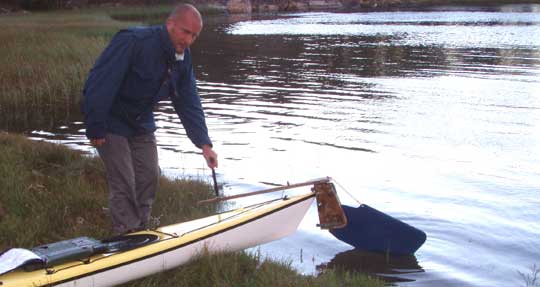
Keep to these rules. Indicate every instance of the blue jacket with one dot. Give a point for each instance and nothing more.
(135, 72)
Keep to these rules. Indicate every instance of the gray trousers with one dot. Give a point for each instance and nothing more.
(132, 171)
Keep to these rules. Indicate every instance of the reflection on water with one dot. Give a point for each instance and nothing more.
(430, 117)
(43, 118)
(389, 267)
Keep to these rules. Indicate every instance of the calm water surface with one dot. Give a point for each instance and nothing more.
(432, 117)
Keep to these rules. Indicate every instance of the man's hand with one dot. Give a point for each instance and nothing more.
(210, 156)
(97, 142)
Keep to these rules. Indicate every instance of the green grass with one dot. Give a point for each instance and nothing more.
(50, 193)
(153, 14)
(243, 270)
(157, 14)
(45, 58)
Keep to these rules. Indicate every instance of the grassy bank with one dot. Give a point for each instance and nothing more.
(158, 14)
(45, 58)
(49, 193)
(243, 270)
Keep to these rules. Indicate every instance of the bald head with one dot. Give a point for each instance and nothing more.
(184, 25)
(185, 10)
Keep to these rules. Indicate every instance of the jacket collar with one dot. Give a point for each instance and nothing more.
(166, 43)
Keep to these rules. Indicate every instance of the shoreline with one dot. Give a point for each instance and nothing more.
(51, 193)
(246, 6)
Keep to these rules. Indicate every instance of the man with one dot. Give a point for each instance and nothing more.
(140, 67)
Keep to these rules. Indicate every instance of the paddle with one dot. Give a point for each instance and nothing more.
(273, 189)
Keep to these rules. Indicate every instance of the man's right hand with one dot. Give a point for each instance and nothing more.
(210, 156)
(97, 142)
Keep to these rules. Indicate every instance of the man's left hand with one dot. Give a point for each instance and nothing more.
(210, 156)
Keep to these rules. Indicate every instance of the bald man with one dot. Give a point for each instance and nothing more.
(140, 67)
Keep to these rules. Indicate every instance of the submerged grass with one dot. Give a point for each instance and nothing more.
(50, 193)
(531, 279)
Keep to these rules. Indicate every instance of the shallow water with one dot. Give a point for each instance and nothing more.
(432, 117)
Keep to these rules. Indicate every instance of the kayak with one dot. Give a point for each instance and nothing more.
(91, 263)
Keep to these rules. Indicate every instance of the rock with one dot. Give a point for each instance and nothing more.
(239, 6)
(298, 6)
(324, 4)
(265, 7)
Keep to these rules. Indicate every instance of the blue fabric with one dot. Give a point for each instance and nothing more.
(371, 230)
(131, 76)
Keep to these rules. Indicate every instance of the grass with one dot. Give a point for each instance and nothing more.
(157, 14)
(531, 279)
(240, 269)
(45, 58)
(50, 193)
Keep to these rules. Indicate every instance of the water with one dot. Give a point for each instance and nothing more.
(432, 117)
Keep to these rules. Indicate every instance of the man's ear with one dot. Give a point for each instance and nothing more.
(169, 24)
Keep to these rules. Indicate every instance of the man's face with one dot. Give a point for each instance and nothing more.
(183, 30)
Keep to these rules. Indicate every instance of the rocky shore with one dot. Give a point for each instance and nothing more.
(247, 6)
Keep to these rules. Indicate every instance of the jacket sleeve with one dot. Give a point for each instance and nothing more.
(188, 106)
(104, 82)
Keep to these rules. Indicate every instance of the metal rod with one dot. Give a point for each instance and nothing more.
(279, 188)
(215, 182)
